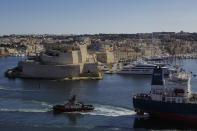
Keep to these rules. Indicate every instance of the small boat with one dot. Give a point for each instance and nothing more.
(72, 106)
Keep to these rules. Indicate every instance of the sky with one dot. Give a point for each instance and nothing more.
(96, 16)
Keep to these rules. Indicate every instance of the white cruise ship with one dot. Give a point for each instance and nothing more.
(142, 68)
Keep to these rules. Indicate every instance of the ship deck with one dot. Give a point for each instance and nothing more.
(144, 96)
(193, 98)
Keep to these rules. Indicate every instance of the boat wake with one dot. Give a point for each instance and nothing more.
(23, 110)
(17, 105)
(15, 89)
(106, 110)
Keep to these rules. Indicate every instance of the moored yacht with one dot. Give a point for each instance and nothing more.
(143, 68)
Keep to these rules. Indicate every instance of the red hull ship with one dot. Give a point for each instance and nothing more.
(72, 106)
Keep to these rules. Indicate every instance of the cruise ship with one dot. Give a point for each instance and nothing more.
(171, 99)
(143, 68)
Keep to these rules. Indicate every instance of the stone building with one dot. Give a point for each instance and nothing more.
(2, 51)
(54, 64)
(105, 57)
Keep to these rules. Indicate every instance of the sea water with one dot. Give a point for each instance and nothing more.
(26, 104)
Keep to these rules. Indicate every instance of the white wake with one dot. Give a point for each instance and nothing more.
(24, 110)
(15, 89)
(107, 110)
(19, 105)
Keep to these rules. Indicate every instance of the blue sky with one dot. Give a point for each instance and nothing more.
(96, 16)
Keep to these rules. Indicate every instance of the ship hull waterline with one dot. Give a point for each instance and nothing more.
(61, 108)
(185, 112)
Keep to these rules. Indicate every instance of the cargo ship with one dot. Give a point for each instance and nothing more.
(171, 98)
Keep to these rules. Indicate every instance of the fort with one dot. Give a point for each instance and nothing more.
(56, 64)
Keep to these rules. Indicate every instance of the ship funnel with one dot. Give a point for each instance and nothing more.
(157, 76)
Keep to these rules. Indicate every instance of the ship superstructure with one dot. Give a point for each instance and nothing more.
(175, 89)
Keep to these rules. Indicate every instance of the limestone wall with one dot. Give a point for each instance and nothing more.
(55, 64)
(105, 57)
(36, 70)
(2, 51)
(110, 57)
(79, 56)
(146, 52)
(61, 59)
(75, 57)
(90, 67)
(101, 57)
(83, 53)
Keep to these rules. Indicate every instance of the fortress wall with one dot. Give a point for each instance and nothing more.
(83, 53)
(81, 67)
(91, 58)
(90, 67)
(105, 57)
(35, 70)
(75, 57)
(66, 58)
(59, 65)
(62, 59)
(101, 57)
(79, 56)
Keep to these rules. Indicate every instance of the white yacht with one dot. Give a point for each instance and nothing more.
(143, 68)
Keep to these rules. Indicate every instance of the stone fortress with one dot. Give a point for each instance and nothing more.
(58, 64)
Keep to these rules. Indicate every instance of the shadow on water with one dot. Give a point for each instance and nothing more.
(72, 117)
(135, 76)
(53, 84)
(161, 124)
(65, 89)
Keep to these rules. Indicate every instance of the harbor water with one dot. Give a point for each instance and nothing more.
(26, 104)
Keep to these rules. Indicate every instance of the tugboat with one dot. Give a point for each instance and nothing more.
(72, 106)
(173, 100)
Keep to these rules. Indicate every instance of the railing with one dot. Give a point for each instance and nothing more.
(180, 76)
(142, 95)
